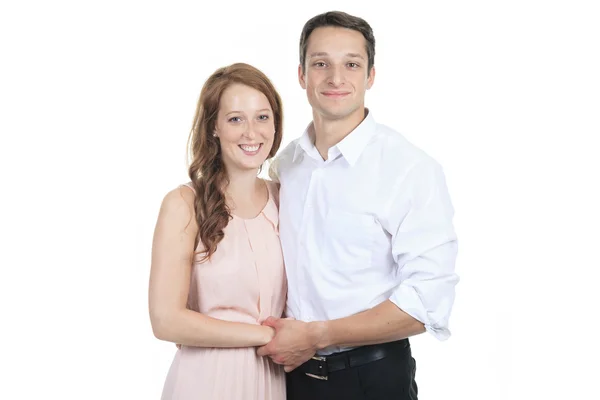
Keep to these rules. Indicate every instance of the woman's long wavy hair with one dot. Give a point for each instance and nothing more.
(206, 168)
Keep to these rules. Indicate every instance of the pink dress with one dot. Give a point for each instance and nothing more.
(243, 282)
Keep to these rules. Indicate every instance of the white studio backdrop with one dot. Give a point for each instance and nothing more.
(96, 103)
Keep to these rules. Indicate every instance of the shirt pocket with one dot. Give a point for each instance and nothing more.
(349, 239)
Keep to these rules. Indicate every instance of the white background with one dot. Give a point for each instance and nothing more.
(96, 103)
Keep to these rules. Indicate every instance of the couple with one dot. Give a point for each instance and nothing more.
(361, 217)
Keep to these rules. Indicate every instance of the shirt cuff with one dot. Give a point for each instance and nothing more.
(408, 300)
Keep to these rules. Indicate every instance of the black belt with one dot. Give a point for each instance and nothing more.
(320, 367)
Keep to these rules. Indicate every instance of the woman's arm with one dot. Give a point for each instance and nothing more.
(172, 257)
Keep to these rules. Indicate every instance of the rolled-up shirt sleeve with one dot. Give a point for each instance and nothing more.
(424, 246)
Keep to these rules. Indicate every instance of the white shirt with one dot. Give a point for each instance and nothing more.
(372, 222)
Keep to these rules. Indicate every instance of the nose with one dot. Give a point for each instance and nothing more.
(336, 78)
(251, 130)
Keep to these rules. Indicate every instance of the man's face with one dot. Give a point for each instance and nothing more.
(336, 74)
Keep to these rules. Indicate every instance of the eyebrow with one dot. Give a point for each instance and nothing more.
(324, 54)
(355, 55)
(241, 112)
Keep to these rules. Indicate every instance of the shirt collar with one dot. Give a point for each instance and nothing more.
(305, 142)
(351, 147)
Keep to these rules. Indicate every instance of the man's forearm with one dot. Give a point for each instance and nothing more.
(381, 324)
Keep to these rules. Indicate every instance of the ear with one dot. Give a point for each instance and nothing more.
(371, 78)
(301, 77)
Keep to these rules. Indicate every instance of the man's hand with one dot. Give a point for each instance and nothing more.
(295, 342)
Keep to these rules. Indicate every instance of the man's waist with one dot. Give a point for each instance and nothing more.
(334, 349)
(320, 366)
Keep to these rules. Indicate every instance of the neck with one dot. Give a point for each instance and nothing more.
(242, 183)
(329, 132)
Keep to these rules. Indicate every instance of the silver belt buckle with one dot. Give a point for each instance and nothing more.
(323, 378)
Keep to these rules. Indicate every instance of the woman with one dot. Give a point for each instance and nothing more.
(217, 268)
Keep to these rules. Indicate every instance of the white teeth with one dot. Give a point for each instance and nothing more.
(250, 148)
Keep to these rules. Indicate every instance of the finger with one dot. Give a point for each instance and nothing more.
(263, 351)
(272, 322)
(277, 360)
(290, 368)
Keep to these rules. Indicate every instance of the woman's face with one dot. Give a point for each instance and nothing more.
(245, 128)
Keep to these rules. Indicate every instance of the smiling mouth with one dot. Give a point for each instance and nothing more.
(250, 149)
(335, 95)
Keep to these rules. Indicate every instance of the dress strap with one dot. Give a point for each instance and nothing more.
(188, 185)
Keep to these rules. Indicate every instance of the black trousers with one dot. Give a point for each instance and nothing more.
(391, 378)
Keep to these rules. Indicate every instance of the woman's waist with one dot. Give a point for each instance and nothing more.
(234, 314)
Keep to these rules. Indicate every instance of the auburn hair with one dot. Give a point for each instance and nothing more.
(206, 168)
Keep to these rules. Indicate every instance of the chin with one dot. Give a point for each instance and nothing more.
(336, 113)
(249, 166)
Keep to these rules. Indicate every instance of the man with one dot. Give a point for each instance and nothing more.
(366, 231)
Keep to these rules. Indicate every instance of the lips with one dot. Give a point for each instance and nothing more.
(250, 149)
(247, 147)
(335, 95)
